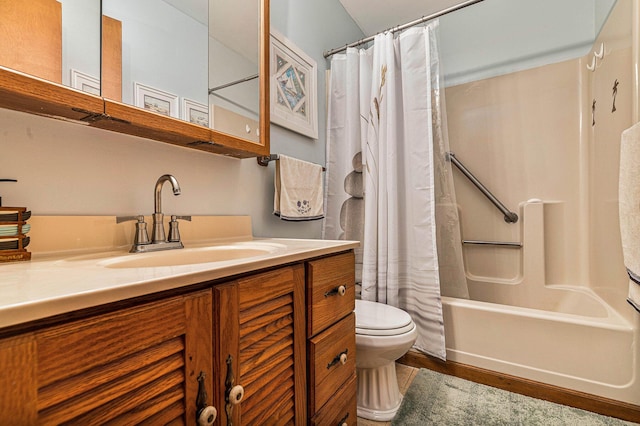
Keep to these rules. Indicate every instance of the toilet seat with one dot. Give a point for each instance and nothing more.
(378, 319)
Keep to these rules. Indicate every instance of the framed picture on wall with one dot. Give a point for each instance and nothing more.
(293, 87)
(155, 100)
(85, 82)
(194, 112)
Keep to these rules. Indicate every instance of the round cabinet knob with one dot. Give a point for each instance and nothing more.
(207, 416)
(343, 358)
(344, 424)
(342, 290)
(236, 394)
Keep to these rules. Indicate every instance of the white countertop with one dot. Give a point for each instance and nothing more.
(53, 285)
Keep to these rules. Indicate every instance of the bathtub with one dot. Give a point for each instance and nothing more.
(592, 350)
(562, 335)
(552, 309)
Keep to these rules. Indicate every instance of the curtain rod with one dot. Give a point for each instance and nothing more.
(402, 27)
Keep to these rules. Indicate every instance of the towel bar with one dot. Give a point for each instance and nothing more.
(264, 160)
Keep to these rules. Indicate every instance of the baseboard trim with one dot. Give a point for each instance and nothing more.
(584, 401)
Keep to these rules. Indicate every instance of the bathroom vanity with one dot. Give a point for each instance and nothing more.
(264, 333)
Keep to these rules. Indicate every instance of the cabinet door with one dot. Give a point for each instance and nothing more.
(32, 38)
(260, 345)
(135, 365)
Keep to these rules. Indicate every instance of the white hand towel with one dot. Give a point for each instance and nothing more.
(298, 190)
(629, 209)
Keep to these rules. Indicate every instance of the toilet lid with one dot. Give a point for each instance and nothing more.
(378, 319)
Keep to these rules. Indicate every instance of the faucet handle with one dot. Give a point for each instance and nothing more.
(142, 237)
(174, 232)
(120, 219)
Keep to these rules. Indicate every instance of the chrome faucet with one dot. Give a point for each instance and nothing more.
(158, 237)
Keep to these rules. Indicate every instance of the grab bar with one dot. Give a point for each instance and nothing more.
(509, 216)
(494, 243)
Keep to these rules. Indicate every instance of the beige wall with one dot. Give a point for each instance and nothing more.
(69, 169)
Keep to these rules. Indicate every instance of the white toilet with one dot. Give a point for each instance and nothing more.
(383, 334)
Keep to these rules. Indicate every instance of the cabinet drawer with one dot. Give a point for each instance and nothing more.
(341, 409)
(327, 372)
(325, 304)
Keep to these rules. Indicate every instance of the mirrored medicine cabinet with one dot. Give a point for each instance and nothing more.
(187, 72)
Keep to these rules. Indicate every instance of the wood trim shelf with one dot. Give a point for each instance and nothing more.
(30, 94)
(584, 401)
(25, 93)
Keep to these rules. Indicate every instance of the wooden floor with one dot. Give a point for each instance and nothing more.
(405, 377)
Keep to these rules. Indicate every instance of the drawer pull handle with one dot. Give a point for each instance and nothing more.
(340, 358)
(343, 421)
(236, 394)
(233, 394)
(340, 291)
(205, 414)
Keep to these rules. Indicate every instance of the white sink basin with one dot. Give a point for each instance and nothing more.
(191, 256)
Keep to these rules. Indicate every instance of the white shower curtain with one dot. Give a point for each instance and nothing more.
(385, 128)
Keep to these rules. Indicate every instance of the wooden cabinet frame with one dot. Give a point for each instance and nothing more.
(136, 357)
(33, 95)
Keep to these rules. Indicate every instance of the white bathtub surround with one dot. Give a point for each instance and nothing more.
(380, 105)
(629, 200)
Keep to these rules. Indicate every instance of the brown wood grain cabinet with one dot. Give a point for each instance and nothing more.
(134, 365)
(31, 34)
(331, 340)
(261, 343)
(139, 361)
(30, 81)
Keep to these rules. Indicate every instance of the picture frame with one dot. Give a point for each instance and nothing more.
(194, 112)
(293, 81)
(155, 100)
(85, 82)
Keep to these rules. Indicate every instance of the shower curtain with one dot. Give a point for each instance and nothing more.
(387, 178)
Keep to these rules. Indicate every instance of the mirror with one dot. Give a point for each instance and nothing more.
(56, 40)
(195, 60)
(234, 67)
(140, 56)
(162, 45)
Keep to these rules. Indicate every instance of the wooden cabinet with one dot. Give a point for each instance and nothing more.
(24, 49)
(33, 44)
(134, 365)
(330, 285)
(260, 346)
(134, 362)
